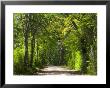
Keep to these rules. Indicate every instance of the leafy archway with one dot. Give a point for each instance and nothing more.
(67, 39)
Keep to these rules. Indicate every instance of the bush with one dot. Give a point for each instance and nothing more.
(78, 60)
(19, 66)
(18, 61)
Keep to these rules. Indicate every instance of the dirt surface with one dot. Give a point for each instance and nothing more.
(57, 70)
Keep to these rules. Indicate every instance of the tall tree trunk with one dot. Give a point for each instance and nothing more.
(26, 30)
(26, 49)
(32, 49)
(84, 63)
(84, 57)
(37, 50)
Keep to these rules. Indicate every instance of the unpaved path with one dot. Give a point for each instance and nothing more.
(57, 70)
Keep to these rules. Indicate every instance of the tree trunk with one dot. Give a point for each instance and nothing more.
(26, 49)
(84, 63)
(26, 30)
(37, 51)
(62, 55)
(84, 57)
(32, 49)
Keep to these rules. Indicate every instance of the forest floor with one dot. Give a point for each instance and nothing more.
(57, 70)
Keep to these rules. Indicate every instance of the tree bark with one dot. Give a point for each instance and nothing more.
(84, 57)
(32, 49)
(26, 48)
(37, 50)
(62, 55)
(26, 30)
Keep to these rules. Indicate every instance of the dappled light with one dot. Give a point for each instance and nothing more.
(55, 43)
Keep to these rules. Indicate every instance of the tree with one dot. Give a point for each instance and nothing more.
(67, 39)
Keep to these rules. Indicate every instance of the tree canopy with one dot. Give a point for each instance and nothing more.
(68, 39)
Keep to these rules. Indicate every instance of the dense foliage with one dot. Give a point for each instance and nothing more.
(42, 39)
